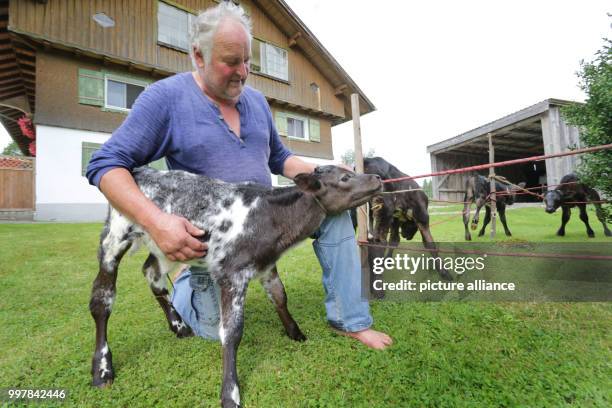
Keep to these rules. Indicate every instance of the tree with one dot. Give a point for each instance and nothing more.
(12, 150)
(428, 188)
(594, 120)
(348, 157)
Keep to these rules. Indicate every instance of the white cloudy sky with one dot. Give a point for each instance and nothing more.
(435, 69)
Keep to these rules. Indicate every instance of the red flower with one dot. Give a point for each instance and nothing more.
(32, 148)
(27, 128)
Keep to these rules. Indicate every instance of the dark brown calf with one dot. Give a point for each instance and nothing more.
(477, 190)
(571, 190)
(401, 213)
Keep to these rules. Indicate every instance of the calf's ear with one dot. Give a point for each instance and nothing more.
(307, 182)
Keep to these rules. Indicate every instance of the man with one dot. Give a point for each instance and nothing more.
(208, 122)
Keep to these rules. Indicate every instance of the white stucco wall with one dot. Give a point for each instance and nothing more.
(62, 193)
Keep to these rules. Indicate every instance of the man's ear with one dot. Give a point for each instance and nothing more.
(307, 182)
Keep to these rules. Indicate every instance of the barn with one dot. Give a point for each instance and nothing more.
(536, 130)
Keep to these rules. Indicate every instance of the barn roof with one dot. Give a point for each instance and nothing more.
(521, 131)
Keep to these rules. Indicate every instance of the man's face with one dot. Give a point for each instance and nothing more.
(224, 76)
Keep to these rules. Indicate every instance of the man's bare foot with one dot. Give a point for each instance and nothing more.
(370, 338)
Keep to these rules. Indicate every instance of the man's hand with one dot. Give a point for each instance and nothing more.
(175, 236)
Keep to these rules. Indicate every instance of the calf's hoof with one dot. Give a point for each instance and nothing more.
(468, 237)
(561, 233)
(481, 233)
(508, 234)
(591, 234)
(102, 374)
(296, 334)
(445, 275)
(229, 403)
(608, 233)
(181, 330)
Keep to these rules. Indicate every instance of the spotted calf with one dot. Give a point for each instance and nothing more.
(248, 227)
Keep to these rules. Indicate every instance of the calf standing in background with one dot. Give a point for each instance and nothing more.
(248, 227)
(404, 213)
(478, 189)
(574, 192)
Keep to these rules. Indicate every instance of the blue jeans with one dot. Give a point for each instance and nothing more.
(196, 297)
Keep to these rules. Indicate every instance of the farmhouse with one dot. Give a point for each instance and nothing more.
(76, 67)
(536, 130)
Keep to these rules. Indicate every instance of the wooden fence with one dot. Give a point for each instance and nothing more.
(17, 186)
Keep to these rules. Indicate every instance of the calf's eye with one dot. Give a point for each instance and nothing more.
(345, 178)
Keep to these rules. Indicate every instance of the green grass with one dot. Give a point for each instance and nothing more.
(445, 354)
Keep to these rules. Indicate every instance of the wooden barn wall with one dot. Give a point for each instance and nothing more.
(453, 188)
(134, 37)
(559, 137)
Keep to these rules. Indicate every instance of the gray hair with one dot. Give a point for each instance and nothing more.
(205, 26)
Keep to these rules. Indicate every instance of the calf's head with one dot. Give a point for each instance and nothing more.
(552, 200)
(338, 189)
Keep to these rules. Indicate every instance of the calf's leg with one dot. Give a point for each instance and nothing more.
(565, 216)
(602, 219)
(155, 270)
(467, 208)
(232, 324)
(113, 245)
(502, 217)
(585, 218)
(276, 293)
(422, 220)
(486, 221)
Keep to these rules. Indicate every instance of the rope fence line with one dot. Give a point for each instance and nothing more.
(511, 254)
(504, 163)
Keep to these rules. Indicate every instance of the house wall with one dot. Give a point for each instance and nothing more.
(62, 193)
(134, 38)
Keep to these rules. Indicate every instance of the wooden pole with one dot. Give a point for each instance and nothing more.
(362, 232)
(361, 215)
(492, 185)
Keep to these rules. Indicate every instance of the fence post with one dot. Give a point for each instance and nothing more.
(362, 232)
(493, 200)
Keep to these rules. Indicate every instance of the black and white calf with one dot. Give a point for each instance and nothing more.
(478, 189)
(572, 190)
(248, 228)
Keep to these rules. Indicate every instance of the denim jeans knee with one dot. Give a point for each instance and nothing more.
(336, 249)
(196, 298)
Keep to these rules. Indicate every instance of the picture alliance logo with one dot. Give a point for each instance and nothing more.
(412, 264)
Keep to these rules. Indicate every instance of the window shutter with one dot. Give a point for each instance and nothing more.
(281, 123)
(159, 164)
(256, 55)
(91, 87)
(87, 150)
(315, 130)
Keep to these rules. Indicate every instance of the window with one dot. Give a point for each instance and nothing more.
(121, 94)
(295, 128)
(270, 59)
(298, 127)
(114, 91)
(173, 26)
(87, 149)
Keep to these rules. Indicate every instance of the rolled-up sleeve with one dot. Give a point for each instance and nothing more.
(142, 138)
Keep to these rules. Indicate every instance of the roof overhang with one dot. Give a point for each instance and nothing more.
(517, 133)
(299, 35)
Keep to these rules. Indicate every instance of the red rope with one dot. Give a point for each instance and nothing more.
(504, 163)
(515, 254)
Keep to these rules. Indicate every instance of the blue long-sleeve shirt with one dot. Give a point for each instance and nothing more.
(173, 118)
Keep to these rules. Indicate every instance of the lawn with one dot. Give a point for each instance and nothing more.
(445, 354)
